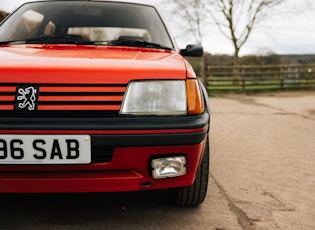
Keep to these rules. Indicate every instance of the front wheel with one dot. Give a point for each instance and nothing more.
(195, 194)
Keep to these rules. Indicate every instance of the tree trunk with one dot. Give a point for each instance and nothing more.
(236, 72)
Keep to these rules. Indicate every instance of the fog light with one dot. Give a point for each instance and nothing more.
(168, 167)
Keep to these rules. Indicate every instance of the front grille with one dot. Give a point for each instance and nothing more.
(68, 101)
(63, 99)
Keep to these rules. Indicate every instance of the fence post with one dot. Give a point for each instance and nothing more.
(204, 71)
(242, 70)
(282, 73)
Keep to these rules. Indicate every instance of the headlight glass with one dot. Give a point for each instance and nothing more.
(155, 98)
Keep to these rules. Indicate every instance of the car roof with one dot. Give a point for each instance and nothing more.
(143, 2)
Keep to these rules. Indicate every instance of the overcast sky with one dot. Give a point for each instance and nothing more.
(287, 35)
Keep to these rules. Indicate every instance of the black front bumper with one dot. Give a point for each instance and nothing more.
(110, 133)
(106, 123)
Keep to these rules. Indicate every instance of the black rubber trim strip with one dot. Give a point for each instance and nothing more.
(118, 123)
(149, 139)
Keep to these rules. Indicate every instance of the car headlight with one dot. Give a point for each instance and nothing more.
(155, 98)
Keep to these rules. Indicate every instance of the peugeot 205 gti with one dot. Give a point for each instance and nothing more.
(95, 96)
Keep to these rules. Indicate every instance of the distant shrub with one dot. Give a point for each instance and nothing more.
(3, 15)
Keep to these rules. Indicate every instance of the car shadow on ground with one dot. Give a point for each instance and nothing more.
(81, 211)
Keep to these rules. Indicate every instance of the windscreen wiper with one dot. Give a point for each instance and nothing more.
(134, 43)
(47, 39)
(76, 39)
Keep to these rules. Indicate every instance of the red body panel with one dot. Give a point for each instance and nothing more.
(85, 65)
(128, 171)
(92, 65)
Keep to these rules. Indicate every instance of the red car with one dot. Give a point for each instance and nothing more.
(95, 96)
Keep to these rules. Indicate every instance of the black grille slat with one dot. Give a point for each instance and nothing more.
(80, 103)
(58, 114)
(82, 94)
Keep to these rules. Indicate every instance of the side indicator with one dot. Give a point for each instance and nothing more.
(194, 97)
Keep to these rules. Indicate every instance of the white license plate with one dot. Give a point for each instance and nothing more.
(45, 149)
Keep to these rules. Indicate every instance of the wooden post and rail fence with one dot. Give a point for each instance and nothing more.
(258, 78)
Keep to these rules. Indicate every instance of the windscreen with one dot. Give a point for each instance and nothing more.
(92, 21)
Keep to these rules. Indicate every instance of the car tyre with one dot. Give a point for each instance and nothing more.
(195, 194)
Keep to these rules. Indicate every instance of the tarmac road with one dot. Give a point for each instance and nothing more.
(263, 158)
(262, 177)
(133, 210)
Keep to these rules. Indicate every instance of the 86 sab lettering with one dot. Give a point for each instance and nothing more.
(40, 149)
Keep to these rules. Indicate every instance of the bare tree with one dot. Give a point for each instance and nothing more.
(193, 13)
(235, 19)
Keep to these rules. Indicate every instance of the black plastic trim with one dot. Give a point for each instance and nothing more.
(118, 123)
(149, 139)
